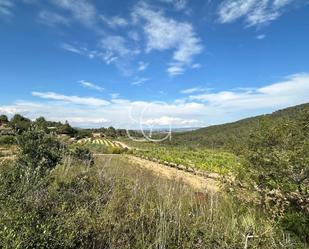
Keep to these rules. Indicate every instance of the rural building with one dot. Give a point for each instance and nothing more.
(96, 135)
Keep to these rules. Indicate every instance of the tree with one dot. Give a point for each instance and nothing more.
(122, 132)
(67, 129)
(20, 123)
(278, 157)
(41, 123)
(3, 119)
(279, 154)
(111, 132)
(38, 151)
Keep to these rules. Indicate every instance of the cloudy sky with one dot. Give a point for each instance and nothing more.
(185, 63)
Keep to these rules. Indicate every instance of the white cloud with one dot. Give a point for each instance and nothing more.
(164, 33)
(82, 51)
(294, 90)
(167, 120)
(110, 55)
(196, 65)
(142, 66)
(87, 121)
(195, 110)
(6, 7)
(261, 37)
(81, 10)
(193, 90)
(280, 3)
(116, 48)
(116, 45)
(134, 35)
(178, 4)
(175, 69)
(139, 81)
(51, 19)
(90, 85)
(120, 113)
(71, 99)
(255, 12)
(114, 95)
(114, 22)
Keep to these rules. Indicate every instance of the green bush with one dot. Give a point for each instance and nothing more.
(20, 123)
(278, 163)
(112, 206)
(38, 152)
(7, 140)
(81, 154)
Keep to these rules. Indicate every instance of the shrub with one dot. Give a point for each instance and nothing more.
(7, 140)
(112, 206)
(20, 123)
(38, 151)
(81, 154)
(278, 162)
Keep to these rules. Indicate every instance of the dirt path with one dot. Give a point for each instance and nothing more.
(197, 182)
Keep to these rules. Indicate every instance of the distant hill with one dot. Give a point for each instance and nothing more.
(219, 135)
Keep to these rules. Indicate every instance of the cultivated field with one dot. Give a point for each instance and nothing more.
(101, 141)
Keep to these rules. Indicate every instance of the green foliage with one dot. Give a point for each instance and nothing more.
(278, 162)
(83, 133)
(81, 154)
(38, 151)
(115, 205)
(280, 155)
(66, 129)
(20, 123)
(3, 119)
(203, 159)
(49, 198)
(105, 149)
(41, 124)
(111, 132)
(7, 140)
(232, 136)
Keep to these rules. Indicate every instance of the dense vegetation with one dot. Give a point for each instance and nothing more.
(277, 163)
(201, 159)
(58, 198)
(274, 159)
(55, 195)
(231, 134)
(19, 124)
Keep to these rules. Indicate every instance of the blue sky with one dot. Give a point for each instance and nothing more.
(156, 63)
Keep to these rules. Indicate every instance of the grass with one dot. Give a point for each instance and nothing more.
(117, 205)
(7, 150)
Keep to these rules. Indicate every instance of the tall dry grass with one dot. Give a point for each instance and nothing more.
(117, 205)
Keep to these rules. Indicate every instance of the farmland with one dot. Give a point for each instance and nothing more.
(203, 159)
(128, 194)
(101, 141)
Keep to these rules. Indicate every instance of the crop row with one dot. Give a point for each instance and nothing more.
(205, 160)
(100, 141)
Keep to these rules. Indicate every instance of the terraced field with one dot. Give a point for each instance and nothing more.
(202, 159)
(101, 141)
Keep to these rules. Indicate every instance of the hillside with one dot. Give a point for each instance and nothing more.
(220, 135)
